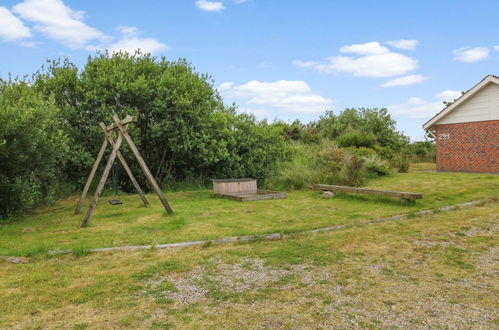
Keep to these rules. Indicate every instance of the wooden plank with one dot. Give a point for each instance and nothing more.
(125, 166)
(102, 181)
(91, 176)
(235, 186)
(143, 164)
(128, 119)
(260, 195)
(378, 192)
(256, 197)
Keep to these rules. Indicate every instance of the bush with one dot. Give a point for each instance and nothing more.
(401, 163)
(356, 139)
(325, 163)
(32, 148)
(375, 122)
(299, 171)
(422, 151)
(376, 166)
(353, 172)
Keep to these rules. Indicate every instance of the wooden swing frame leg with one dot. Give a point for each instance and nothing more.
(142, 163)
(91, 176)
(125, 166)
(102, 181)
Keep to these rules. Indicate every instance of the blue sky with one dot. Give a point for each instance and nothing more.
(283, 59)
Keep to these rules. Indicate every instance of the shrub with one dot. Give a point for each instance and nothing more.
(356, 139)
(325, 163)
(422, 151)
(401, 163)
(376, 122)
(353, 172)
(32, 148)
(298, 172)
(376, 166)
(362, 151)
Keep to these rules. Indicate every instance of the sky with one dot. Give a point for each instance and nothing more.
(279, 59)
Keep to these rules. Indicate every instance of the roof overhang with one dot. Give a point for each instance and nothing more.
(485, 81)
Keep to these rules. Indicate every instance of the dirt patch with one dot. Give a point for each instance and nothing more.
(216, 276)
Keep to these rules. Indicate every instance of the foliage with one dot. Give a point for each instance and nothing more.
(375, 166)
(184, 131)
(356, 139)
(376, 122)
(400, 162)
(353, 171)
(422, 151)
(32, 147)
(365, 135)
(326, 163)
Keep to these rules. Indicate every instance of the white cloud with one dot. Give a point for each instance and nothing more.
(303, 64)
(11, 27)
(471, 54)
(448, 95)
(209, 5)
(58, 21)
(417, 108)
(369, 48)
(496, 48)
(130, 42)
(406, 44)
(225, 86)
(372, 60)
(287, 95)
(404, 81)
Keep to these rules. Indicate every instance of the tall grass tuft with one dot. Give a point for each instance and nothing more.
(325, 163)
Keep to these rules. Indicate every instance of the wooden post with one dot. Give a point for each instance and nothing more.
(125, 165)
(91, 176)
(142, 164)
(102, 181)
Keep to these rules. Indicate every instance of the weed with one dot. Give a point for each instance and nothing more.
(457, 257)
(166, 266)
(161, 325)
(80, 250)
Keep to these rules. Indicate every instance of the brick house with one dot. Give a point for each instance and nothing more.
(467, 131)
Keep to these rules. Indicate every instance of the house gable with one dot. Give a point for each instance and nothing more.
(467, 109)
(484, 105)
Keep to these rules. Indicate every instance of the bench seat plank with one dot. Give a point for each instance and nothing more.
(368, 191)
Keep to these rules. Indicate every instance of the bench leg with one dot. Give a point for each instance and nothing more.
(406, 201)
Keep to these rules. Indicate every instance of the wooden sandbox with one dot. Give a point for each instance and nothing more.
(243, 190)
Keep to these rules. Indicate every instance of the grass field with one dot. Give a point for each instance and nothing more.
(199, 216)
(438, 271)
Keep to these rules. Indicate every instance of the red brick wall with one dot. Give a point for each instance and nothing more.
(468, 147)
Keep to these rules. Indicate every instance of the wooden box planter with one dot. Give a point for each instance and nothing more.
(242, 190)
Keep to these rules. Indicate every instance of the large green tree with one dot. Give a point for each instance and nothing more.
(184, 130)
(33, 147)
(373, 121)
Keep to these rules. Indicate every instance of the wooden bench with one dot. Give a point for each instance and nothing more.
(406, 197)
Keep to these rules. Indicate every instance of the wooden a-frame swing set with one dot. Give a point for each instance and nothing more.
(119, 129)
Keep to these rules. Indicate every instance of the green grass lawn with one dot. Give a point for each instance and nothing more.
(433, 271)
(199, 216)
